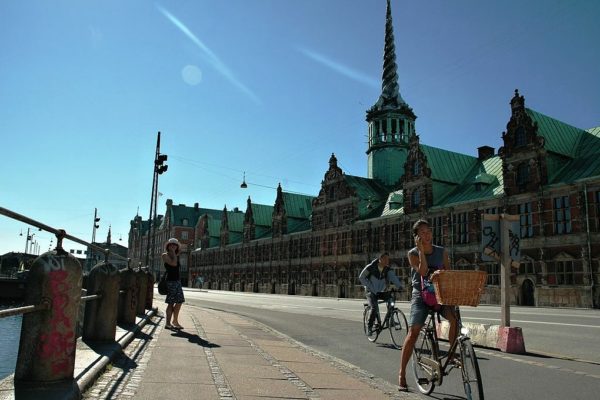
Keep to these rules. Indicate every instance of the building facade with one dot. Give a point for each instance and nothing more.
(547, 172)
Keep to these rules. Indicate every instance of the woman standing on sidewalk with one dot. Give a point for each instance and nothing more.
(175, 292)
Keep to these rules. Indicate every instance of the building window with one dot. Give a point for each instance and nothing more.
(460, 222)
(562, 215)
(522, 175)
(395, 237)
(416, 198)
(437, 229)
(493, 274)
(565, 272)
(417, 168)
(520, 137)
(184, 222)
(184, 235)
(597, 199)
(526, 220)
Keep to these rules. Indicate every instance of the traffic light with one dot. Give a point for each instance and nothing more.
(96, 220)
(159, 165)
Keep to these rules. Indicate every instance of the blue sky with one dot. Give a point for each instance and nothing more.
(269, 87)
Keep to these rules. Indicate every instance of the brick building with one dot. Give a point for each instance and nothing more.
(547, 172)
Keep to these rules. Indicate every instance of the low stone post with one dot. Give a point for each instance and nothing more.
(100, 323)
(129, 299)
(149, 289)
(142, 283)
(48, 340)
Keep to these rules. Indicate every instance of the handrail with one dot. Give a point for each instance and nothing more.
(60, 234)
(24, 310)
(91, 297)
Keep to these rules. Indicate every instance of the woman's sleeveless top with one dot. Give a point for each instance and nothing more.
(435, 261)
(172, 271)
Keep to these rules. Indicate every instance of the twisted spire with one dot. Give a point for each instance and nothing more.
(390, 91)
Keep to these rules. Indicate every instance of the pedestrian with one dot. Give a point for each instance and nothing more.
(375, 278)
(174, 297)
(424, 259)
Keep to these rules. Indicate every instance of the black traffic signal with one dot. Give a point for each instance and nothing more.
(159, 164)
(96, 220)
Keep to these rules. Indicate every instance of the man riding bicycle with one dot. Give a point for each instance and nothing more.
(375, 278)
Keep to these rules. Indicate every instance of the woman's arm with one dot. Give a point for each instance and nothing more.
(446, 260)
(418, 263)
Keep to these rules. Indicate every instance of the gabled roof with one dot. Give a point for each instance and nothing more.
(559, 137)
(181, 212)
(371, 195)
(263, 214)
(297, 205)
(394, 204)
(448, 166)
(483, 181)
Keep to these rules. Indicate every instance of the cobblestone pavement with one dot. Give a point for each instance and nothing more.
(122, 377)
(226, 357)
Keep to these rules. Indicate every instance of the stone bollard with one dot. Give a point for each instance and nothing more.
(100, 323)
(128, 300)
(149, 289)
(142, 283)
(48, 342)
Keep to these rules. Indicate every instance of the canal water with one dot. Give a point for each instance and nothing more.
(10, 332)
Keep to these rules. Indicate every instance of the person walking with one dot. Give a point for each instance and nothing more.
(424, 259)
(175, 296)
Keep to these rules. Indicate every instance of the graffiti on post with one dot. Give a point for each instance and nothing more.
(58, 345)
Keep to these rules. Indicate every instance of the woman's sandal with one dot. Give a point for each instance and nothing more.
(177, 326)
(403, 388)
(168, 326)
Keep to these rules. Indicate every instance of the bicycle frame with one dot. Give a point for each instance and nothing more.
(439, 367)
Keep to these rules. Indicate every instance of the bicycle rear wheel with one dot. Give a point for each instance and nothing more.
(374, 332)
(425, 363)
(470, 371)
(398, 328)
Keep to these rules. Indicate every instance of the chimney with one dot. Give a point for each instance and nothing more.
(196, 206)
(235, 209)
(485, 152)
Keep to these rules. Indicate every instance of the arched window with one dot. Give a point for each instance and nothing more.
(416, 198)
(520, 137)
(417, 168)
(522, 174)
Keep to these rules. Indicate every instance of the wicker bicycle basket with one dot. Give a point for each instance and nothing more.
(459, 288)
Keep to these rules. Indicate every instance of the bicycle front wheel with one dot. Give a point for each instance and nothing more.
(425, 363)
(470, 371)
(374, 332)
(398, 328)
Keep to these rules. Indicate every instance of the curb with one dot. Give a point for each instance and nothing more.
(87, 379)
(73, 389)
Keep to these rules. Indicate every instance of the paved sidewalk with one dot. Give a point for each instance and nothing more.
(225, 356)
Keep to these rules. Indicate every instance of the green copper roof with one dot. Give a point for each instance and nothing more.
(483, 181)
(448, 166)
(594, 131)
(263, 215)
(559, 137)
(394, 204)
(371, 195)
(297, 205)
(191, 214)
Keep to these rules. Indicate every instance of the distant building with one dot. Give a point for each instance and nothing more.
(94, 257)
(547, 172)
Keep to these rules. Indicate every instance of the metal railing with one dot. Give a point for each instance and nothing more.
(55, 283)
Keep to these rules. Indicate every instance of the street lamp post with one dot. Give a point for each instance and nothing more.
(159, 168)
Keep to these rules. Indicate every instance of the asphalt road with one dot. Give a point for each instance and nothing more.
(563, 359)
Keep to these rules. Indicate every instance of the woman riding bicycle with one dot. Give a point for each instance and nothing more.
(424, 259)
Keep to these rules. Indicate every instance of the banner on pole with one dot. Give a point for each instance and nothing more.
(490, 240)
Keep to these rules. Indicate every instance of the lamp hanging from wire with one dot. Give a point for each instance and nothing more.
(244, 185)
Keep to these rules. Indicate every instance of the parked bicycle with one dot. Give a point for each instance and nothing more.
(430, 365)
(394, 320)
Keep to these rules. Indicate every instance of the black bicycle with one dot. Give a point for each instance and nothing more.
(394, 320)
(430, 366)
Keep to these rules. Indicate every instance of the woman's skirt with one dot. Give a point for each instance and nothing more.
(174, 292)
